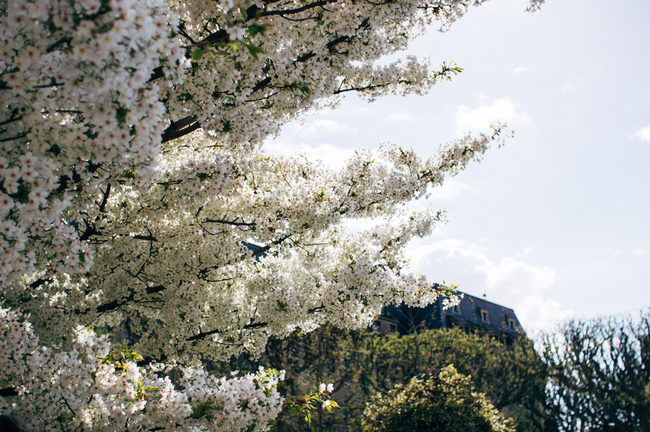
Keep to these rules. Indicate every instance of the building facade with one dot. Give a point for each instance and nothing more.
(472, 314)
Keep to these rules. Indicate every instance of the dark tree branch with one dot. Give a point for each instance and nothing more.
(180, 128)
(155, 289)
(55, 45)
(330, 45)
(54, 84)
(115, 304)
(147, 238)
(107, 192)
(11, 120)
(202, 335)
(38, 282)
(297, 10)
(368, 87)
(9, 391)
(260, 85)
(157, 73)
(180, 124)
(250, 326)
(266, 248)
(233, 222)
(19, 136)
(89, 232)
(305, 57)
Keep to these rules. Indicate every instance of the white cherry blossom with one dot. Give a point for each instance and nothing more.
(134, 191)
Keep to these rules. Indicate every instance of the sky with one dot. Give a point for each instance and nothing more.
(555, 223)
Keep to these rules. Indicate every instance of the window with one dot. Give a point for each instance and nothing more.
(392, 328)
(456, 308)
(511, 324)
(484, 316)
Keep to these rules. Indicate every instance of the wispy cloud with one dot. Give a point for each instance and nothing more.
(507, 280)
(504, 110)
(643, 134)
(399, 117)
(451, 188)
(317, 128)
(567, 86)
(520, 70)
(332, 156)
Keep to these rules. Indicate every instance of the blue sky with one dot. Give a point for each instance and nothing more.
(555, 223)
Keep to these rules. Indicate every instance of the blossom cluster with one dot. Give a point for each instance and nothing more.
(75, 98)
(223, 253)
(115, 209)
(94, 388)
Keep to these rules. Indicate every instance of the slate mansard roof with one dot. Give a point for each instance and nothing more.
(471, 314)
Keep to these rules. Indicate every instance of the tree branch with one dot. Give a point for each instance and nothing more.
(19, 136)
(180, 128)
(9, 391)
(148, 238)
(297, 10)
(55, 45)
(202, 335)
(233, 222)
(107, 192)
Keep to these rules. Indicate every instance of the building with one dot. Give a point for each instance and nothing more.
(470, 315)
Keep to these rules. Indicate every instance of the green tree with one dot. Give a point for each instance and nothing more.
(513, 378)
(363, 363)
(600, 374)
(442, 402)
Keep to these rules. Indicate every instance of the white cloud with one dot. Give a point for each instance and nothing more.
(520, 70)
(451, 188)
(643, 134)
(508, 281)
(567, 86)
(357, 225)
(332, 156)
(315, 128)
(503, 110)
(638, 252)
(399, 117)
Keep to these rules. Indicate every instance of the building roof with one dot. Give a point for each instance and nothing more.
(471, 314)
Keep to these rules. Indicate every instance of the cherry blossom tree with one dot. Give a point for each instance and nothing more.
(134, 191)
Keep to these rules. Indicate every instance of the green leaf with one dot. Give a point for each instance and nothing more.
(105, 27)
(55, 150)
(227, 126)
(254, 50)
(22, 195)
(120, 115)
(298, 85)
(234, 46)
(197, 54)
(254, 29)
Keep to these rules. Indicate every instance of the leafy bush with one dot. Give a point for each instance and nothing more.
(363, 363)
(443, 402)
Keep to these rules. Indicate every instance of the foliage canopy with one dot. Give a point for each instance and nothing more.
(442, 402)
